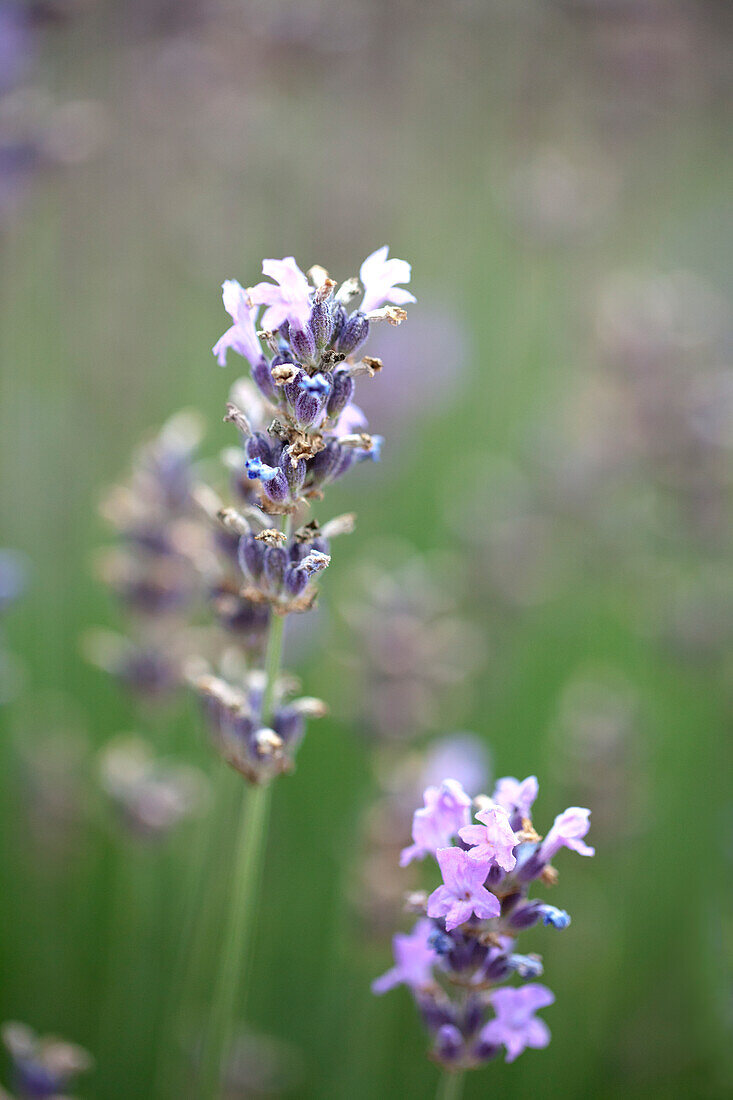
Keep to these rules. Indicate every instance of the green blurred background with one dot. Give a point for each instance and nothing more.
(519, 155)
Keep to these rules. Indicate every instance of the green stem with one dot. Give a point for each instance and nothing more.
(450, 1086)
(237, 935)
(247, 873)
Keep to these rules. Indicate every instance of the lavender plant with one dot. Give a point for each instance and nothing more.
(154, 568)
(299, 431)
(461, 952)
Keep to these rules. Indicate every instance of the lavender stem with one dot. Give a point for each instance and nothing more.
(247, 874)
(450, 1086)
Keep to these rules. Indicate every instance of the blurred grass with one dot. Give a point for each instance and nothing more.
(106, 320)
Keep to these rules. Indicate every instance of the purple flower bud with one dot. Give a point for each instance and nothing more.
(294, 475)
(353, 333)
(289, 724)
(251, 554)
(276, 560)
(526, 916)
(258, 446)
(484, 1051)
(530, 864)
(276, 488)
(344, 461)
(494, 876)
(303, 343)
(338, 315)
(307, 409)
(497, 967)
(263, 379)
(296, 580)
(321, 324)
(473, 1016)
(449, 1043)
(510, 902)
(322, 465)
(342, 392)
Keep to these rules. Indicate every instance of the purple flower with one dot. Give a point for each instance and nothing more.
(567, 831)
(242, 336)
(287, 299)
(434, 825)
(414, 960)
(494, 838)
(378, 277)
(515, 1025)
(516, 796)
(463, 892)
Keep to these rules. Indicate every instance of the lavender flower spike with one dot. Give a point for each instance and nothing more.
(242, 336)
(379, 277)
(463, 893)
(445, 812)
(568, 831)
(479, 912)
(515, 1026)
(287, 298)
(494, 838)
(414, 960)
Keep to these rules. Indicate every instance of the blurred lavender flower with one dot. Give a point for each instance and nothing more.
(598, 750)
(52, 753)
(454, 961)
(555, 198)
(151, 796)
(436, 336)
(13, 580)
(35, 132)
(418, 653)
(167, 562)
(43, 1067)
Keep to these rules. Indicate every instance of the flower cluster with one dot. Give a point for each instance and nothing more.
(255, 749)
(43, 1067)
(461, 951)
(315, 433)
(298, 431)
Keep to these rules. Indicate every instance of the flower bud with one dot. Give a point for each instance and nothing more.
(338, 317)
(321, 324)
(342, 392)
(303, 343)
(354, 333)
(276, 560)
(307, 409)
(251, 555)
(449, 1043)
(263, 379)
